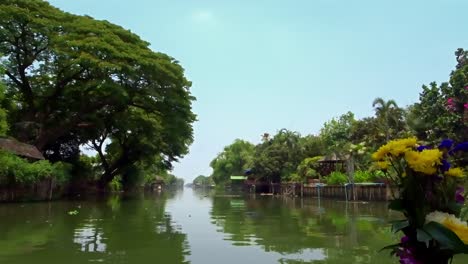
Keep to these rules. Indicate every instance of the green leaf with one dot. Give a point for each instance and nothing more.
(399, 225)
(446, 237)
(455, 207)
(393, 247)
(423, 236)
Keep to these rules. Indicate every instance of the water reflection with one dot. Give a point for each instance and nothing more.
(128, 230)
(220, 229)
(306, 231)
(90, 238)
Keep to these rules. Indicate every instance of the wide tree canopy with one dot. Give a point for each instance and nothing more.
(73, 80)
(277, 158)
(233, 160)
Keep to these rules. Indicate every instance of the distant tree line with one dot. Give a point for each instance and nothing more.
(441, 112)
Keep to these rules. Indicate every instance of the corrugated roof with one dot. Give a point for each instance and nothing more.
(238, 178)
(20, 149)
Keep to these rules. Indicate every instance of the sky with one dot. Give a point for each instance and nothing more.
(259, 66)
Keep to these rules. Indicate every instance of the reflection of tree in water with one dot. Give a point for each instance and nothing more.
(128, 231)
(202, 193)
(90, 238)
(345, 231)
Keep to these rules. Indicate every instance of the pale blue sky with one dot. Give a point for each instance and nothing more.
(259, 66)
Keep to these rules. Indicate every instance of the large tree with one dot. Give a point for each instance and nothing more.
(73, 79)
(277, 159)
(3, 115)
(233, 160)
(337, 132)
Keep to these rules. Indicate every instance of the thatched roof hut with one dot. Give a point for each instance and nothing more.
(333, 158)
(332, 162)
(20, 149)
(159, 180)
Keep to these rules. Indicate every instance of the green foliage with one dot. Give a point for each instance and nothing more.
(278, 158)
(172, 180)
(337, 132)
(86, 168)
(337, 178)
(440, 112)
(116, 184)
(3, 113)
(312, 146)
(15, 170)
(308, 168)
(202, 180)
(367, 130)
(234, 160)
(389, 117)
(364, 176)
(294, 177)
(73, 80)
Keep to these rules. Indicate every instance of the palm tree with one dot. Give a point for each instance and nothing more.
(383, 111)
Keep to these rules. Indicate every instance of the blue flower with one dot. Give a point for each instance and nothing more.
(446, 143)
(460, 147)
(422, 147)
(445, 166)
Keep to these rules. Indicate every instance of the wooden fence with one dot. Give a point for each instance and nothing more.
(378, 192)
(44, 190)
(352, 192)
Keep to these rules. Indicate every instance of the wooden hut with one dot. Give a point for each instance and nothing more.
(157, 184)
(20, 149)
(331, 163)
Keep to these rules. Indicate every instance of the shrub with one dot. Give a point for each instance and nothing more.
(15, 170)
(337, 178)
(116, 184)
(364, 176)
(294, 177)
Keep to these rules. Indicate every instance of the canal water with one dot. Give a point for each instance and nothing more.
(195, 227)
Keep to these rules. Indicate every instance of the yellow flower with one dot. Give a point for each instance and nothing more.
(425, 161)
(395, 148)
(455, 172)
(380, 153)
(383, 164)
(450, 221)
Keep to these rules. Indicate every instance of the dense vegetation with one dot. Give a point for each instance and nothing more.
(441, 112)
(203, 181)
(73, 81)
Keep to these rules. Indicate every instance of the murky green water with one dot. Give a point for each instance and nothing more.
(195, 227)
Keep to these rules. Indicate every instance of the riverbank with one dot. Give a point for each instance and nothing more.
(347, 192)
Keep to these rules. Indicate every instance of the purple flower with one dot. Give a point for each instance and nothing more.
(446, 144)
(459, 197)
(404, 239)
(406, 256)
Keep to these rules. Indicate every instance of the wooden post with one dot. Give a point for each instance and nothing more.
(51, 188)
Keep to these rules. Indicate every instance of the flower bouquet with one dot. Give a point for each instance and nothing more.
(430, 195)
